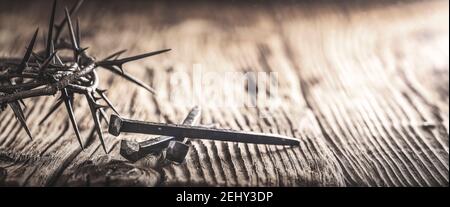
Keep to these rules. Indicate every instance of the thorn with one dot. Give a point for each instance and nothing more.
(28, 53)
(73, 40)
(120, 62)
(21, 112)
(50, 112)
(104, 97)
(104, 116)
(115, 55)
(23, 104)
(60, 26)
(96, 98)
(50, 30)
(82, 50)
(137, 57)
(71, 95)
(68, 102)
(102, 90)
(19, 115)
(120, 69)
(130, 78)
(78, 32)
(47, 62)
(93, 109)
(52, 51)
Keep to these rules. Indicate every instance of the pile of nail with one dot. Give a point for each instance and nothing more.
(45, 73)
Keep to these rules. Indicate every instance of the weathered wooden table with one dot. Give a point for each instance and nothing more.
(364, 86)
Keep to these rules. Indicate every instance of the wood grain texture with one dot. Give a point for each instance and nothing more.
(364, 86)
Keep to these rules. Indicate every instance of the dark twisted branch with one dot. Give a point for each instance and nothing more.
(44, 73)
(51, 89)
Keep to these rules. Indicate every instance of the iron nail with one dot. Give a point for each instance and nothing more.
(134, 151)
(118, 125)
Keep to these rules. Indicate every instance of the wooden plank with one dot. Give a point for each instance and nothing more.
(90, 165)
(358, 80)
(352, 83)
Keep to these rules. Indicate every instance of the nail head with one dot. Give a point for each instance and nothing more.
(115, 125)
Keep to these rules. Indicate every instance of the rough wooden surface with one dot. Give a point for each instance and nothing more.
(364, 86)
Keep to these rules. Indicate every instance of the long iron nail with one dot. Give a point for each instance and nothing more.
(118, 125)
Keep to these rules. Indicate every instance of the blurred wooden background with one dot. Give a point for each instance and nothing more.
(364, 86)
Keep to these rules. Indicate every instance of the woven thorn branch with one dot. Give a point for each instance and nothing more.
(45, 73)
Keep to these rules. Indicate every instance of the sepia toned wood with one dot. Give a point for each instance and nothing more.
(363, 86)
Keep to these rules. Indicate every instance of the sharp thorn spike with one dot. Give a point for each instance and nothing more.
(131, 79)
(21, 113)
(76, 7)
(52, 51)
(120, 62)
(73, 40)
(104, 116)
(100, 91)
(60, 26)
(81, 50)
(97, 98)
(137, 57)
(47, 62)
(23, 104)
(93, 110)
(50, 30)
(71, 95)
(28, 53)
(106, 99)
(68, 102)
(18, 112)
(120, 68)
(114, 55)
(78, 32)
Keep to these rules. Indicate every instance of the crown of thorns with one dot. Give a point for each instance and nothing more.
(45, 73)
